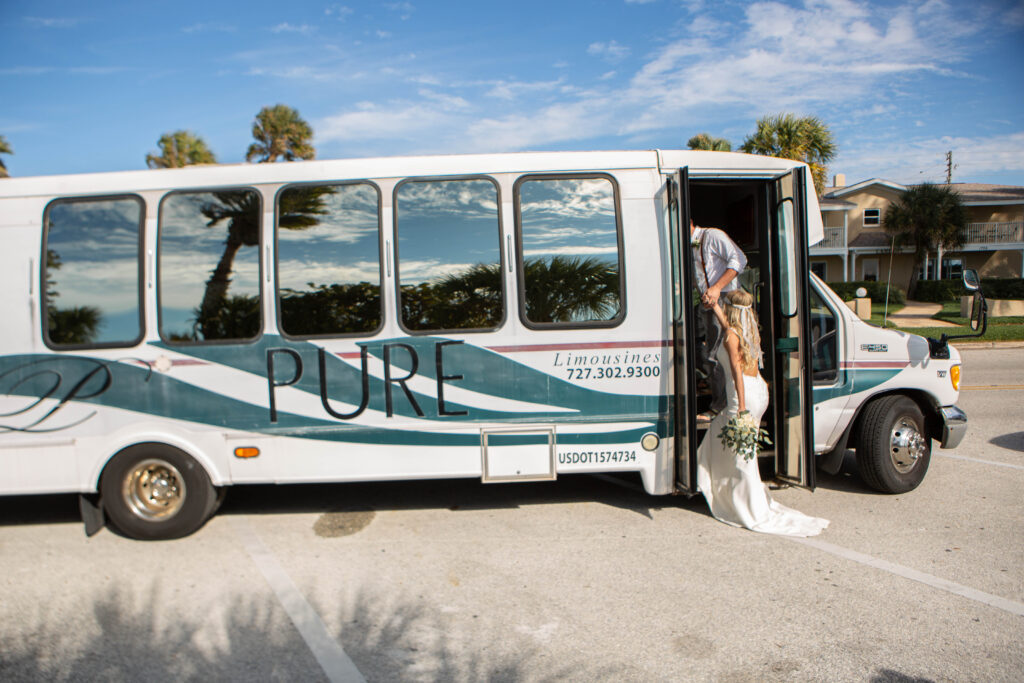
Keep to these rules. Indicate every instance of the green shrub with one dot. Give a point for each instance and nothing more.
(939, 291)
(876, 291)
(1003, 287)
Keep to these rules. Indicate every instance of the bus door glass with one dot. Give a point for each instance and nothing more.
(791, 391)
(684, 387)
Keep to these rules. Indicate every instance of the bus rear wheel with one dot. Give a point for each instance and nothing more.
(153, 491)
(893, 448)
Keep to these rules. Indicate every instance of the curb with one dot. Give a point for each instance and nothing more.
(970, 346)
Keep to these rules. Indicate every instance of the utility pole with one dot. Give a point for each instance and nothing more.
(949, 167)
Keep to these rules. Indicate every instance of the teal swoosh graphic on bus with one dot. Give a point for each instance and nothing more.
(130, 385)
(854, 382)
(482, 371)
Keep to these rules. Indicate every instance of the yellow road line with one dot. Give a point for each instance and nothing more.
(993, 387)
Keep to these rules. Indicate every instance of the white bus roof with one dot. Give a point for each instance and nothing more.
(720, 164)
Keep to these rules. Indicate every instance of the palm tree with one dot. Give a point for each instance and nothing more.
(926, 217)
(178, 149)
(280, 132)
(569, 289)
(801, 138)
(705, 142)
(72, 325)
(468, 299)
(5, 148)
(298, 208)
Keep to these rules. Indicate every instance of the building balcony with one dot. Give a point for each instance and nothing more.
(833, 240)
(987, 235)
(994, 233)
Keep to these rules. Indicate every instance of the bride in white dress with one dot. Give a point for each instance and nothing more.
(730, 483)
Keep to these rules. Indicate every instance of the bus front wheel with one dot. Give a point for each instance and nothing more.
(153, 491)
(893, 448)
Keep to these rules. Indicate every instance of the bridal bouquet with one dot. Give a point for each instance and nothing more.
(742, 435)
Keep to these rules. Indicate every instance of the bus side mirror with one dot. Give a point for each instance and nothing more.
(977, 310)
(978, 321)
(971, 281)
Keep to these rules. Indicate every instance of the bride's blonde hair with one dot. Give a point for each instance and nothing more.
(739, 305)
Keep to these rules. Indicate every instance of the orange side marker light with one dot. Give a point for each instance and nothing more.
(246, 452)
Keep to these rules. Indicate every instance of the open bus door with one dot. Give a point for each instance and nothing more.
(684, 415)
(791, 393)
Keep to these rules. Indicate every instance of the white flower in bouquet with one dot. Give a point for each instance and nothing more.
(742, 435)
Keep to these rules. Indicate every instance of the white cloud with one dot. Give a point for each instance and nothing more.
(53, 22)
(511, 90)
(338, 11)
(210, 28)
(833, 58)
(394, 120)
(404, 9)
(296, 275)
(612, 51)
(572, 250)
(923, 159)
(285, 27)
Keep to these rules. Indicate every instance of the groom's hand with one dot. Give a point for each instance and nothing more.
(710, 297)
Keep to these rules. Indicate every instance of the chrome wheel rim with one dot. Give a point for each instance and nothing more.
(154, 490)
(906, 444)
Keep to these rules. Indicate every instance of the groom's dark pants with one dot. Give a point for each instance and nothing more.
(707, 351)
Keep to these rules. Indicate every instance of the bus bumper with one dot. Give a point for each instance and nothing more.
(954, 426)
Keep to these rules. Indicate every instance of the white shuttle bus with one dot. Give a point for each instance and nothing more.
(509, 317)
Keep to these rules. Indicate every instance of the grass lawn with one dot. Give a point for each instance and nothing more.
(878, 313)
(1009, 328)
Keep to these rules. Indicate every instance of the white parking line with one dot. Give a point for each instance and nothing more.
(984, 462)
(914, 575)
(332, 658)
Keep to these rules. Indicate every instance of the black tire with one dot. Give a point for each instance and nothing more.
(893, 446)
(152, 491)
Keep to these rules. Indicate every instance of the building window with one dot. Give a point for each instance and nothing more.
(92, 294)
(872, 217)
(570, 254)
(952, 269)
(869, 267)
(209, 266)
(328, 259)
(820, 268)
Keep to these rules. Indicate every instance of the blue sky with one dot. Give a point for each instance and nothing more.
(92, 86)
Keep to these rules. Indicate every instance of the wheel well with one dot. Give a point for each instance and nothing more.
(188, 448)
(924, 401)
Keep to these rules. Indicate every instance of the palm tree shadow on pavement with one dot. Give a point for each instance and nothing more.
(129, 637)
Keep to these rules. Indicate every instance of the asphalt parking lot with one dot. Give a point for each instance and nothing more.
(585, 578)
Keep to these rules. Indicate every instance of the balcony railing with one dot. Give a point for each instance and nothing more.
(976, 233)
(833, 239)
(994, 233)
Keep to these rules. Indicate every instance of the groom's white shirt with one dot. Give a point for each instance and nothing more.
(720, 253)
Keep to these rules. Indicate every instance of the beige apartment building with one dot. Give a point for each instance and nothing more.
(856, 246)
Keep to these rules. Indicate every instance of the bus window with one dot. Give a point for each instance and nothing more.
(824, 342)
(91, 281)
(570, 256)
(328, 259)
(448, 255)
(209, 266)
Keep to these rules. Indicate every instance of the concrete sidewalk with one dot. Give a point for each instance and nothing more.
(918, 314)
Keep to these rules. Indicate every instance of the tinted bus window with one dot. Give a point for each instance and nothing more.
(570, 260)
(328, 259)
(209, 266)
(449, 255)
(91, 290)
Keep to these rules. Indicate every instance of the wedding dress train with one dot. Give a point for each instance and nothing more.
(731, 485)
